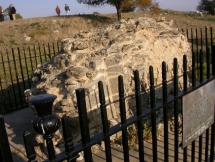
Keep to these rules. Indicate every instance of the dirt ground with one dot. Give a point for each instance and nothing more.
(49, 29)
(16, 126)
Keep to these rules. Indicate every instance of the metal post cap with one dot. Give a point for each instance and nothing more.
(42, 99)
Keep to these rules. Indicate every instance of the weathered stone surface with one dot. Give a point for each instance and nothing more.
(104, 54)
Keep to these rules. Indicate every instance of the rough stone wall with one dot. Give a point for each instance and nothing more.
(104, 54)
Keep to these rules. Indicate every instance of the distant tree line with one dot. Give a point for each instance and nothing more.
(207, 6)
(122, 5)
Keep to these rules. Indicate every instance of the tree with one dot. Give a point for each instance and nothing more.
(116, 3)
(120, 5)
(207, 5)
(128, 5)
(144, 3)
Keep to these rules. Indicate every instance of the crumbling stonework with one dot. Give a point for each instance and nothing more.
(104, 54)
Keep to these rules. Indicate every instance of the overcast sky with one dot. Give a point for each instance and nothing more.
(38, 8)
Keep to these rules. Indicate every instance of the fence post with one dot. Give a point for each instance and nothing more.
(3, 98)
(193, 70)
(201, 78)
(35, 55)
(213, 60)
(192, 40)
(211, 33)
(193, 85)
(201, 38)
(44, 51)
(20, 65)
(213, 125)
(39, 49)
(123, 118)
(5, 152)
(53, 46)
(139, 111)
(30, 56)
(207, 131)
(185, 89)
(153, 114)
(175, 72)
(58, 47)
(84, 123)
(17, 78)
(49, 52)
(105, 124)
(208, 62)
(68, 140)
(27, 70)
(185, 72)
(11, 79)
(187, 33)
(165, 112)
(206, 37)
(197, 44)
(29, 147)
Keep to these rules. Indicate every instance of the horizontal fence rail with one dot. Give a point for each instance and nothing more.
(201, 149)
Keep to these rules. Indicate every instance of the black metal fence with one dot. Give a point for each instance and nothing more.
(87, 142)
(16, 69)
(202, 149)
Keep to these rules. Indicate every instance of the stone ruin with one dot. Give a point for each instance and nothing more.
(102, 55)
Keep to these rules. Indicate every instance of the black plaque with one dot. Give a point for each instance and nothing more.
(198, 112)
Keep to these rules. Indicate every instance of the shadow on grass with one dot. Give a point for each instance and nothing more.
(93, 17)
(207, 18)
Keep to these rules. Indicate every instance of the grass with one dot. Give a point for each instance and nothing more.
(42, 29)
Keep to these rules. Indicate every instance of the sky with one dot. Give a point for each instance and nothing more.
(40, 8)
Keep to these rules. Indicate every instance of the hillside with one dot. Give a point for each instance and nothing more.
(49, 29)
